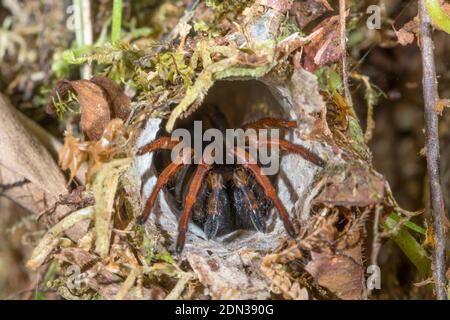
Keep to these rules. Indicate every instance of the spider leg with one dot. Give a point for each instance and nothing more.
(271, 123)
(163, 179)
(269, 189)
(165, 143)
(294, 148)
(191, 197)
(216, 204)
(248, 200)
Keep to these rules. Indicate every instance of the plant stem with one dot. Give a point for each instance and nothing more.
(343, 35)
(116, 21)
(433, 151)
(87, 34)
(408, 244)
(78, 12)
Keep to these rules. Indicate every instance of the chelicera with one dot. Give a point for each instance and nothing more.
(223, 197)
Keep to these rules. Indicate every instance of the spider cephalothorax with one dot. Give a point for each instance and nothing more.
(224, 197)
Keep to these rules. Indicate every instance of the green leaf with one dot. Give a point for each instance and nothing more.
(409, 224)
(438, 15)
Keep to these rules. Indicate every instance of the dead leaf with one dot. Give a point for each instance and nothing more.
(308, 102)
(120, 103)
(226, 278)
(308, 11)
(407, 33)
(336, 256)
(338, 273)
(28, 173)
(279, 5)
(100, 100)
(355, 186)
(325, 49)
(441, 104)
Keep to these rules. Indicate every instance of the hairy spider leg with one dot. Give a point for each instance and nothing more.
(163, 179)
(294, 148)
(215, 205)
(240, 179)
(164, 143)
(191, 197)
(269, 189)
(271, 123)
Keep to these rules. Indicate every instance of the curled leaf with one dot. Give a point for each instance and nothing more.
(100, 99)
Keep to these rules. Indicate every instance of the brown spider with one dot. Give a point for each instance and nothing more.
(234, 196)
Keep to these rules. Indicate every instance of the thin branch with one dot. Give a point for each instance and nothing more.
(433, 152)
(343, 35)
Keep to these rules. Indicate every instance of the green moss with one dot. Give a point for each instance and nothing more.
(357, 137)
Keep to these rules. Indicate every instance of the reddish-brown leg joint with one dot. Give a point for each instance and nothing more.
(296, 149)
(271, 123)
(191, 198)
(164, 143)
(163, 179)
(269, 190)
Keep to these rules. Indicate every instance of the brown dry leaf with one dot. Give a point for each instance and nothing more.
(325, 49)
(338, 273)
(105, 282)
(355, 186)
(339, 269)
(109, 284)
(74, 153)
(441, 104)
(28, 174)
(77, 256)
(310, 10)
(279, 5)
(100, 99)
(226, 277)
(120, 103)
(309, 103)
(404, 37)
(406, 34)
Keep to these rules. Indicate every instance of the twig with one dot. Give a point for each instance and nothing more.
(433, 152)
(343, 29)
(376, 244)
(9, 186)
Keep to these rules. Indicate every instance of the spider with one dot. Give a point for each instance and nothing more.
(224, 197)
